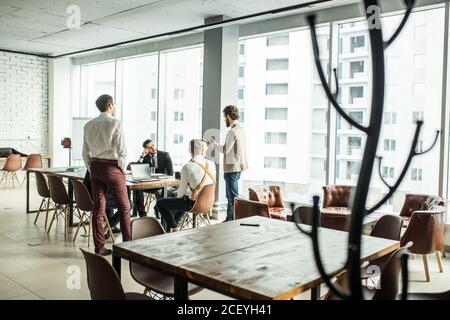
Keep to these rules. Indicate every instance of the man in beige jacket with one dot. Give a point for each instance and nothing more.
(235, 159)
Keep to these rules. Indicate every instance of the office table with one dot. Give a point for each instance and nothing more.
(79, 175)
(339, 217)
(271, 261)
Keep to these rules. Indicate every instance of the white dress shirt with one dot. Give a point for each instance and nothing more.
(104, 139)
(192, 174)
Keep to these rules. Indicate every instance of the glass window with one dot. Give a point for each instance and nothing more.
(96, 79)
(356, 67)
(277, 64)
(241, 71)
(241, 93)
(182, 92)
(422, 93)
(241, 49)
(276, 89)
(281, 40)
(153, 94)
(276, 113)
(275, 162)
(276, 138)
(137, 80)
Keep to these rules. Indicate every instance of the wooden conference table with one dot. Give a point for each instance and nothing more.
(271, 261)
(79, 175)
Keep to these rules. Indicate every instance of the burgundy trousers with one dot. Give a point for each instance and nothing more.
(108, 176)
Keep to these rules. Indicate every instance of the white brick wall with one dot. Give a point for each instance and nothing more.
(24, 102)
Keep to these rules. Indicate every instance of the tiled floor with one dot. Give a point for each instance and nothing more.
(34, 265)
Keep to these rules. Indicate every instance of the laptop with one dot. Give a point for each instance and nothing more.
(141, 173)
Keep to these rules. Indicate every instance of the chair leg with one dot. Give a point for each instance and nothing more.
(39, 210)
(46, 213)
(53, 218)
(194, 220)
(78, 227)
(185, 219)
(89, 230)
(108, 227)
(439, 260)
(65, 222)
(145, 291)
(425, 265)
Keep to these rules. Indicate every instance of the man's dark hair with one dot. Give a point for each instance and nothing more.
(146, 142)
(231, 111)
(103, 101)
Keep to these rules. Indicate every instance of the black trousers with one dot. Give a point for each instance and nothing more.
(172, 210)
(138, 199)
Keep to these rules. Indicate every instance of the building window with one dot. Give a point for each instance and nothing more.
(390, 118)
(241, 115)
(357, 42)
(416, 174)
(277, 89)
(275, 162)
(276, 113)
(338, 145)
(275, 138)
(389, 201)
(241, 72)
(178, 116)
(356, 67)
(179, 94)
(388, 172)
(341, 45)
(177, 139)
(153, 93)
(356, 93)
(353, 143)
(241, 49)
(153, 115)
(277, 64)
(417, 116)
(419, 147)
(352, 168)
(389, 145)
(153, 137)
(241, 93)
(282, 40)
(337, 169)
(357, 116)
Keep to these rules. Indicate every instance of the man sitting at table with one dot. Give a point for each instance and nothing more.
(162, 163)
(196, 174)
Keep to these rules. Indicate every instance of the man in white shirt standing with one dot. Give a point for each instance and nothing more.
(195, 175)
(104, 154)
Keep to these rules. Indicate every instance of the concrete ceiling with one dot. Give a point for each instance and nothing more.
(40, 26)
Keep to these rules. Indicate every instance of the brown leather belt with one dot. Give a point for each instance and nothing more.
(105, 161)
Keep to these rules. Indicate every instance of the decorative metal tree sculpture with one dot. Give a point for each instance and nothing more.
(359, 210)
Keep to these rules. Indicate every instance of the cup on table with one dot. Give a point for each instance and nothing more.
(152, 170)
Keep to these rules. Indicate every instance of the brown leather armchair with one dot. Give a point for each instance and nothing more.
(244, 208)
(426, 230)
(336, 196)
(271, 196)
(415, 202)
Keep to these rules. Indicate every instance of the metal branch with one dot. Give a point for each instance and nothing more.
(331, 97)
(432, 146)
(405, 276)
(317, 256)
(379, 172)
(335, 95)
(411, 155)
(409, 6)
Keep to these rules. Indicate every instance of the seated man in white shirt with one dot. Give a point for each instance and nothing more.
(195, 174)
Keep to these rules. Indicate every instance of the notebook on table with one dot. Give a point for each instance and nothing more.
(141, 173)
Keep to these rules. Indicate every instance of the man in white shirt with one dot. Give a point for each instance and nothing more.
(104, 154)
(195, 174)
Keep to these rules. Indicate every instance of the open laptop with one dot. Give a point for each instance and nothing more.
(141, 173)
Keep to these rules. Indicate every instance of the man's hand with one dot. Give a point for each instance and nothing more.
(144, 153)
(211, 141)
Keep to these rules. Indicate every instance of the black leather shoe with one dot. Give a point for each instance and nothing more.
(115, 230)
(104, 253)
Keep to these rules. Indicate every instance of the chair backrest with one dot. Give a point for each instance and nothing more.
(145, 227)
(58, 191)
(416, 202)
(388, 227)
(33, 161)
(82, 196)
(267, 194)
(41, 184)
(303, 214)
(426, 231)
(336, 196)
(103, 281)
(247, 208)
(12, 163)
(205, 199)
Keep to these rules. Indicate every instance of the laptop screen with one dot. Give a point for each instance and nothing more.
(140, 171)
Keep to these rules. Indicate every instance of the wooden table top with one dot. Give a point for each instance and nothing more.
(346, 212)
(80, 174)
(272, 261)
(43, 157)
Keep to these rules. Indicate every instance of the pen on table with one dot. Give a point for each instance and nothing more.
(250, 224)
